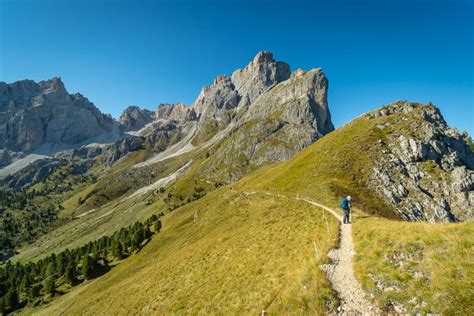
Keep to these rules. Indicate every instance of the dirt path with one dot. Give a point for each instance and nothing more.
(341, 273)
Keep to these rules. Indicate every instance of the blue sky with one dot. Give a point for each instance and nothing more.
(119, 53)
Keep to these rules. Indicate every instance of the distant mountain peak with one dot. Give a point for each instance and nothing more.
(263, 57)
(44, 116)
(54, 84)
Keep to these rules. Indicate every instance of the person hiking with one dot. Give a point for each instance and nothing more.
(346, 207)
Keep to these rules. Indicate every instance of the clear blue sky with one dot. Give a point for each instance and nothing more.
(119, 53)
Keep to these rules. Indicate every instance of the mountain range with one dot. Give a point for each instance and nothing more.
(227, 174)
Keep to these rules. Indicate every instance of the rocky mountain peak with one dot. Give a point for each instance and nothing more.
(258, 76)
(226, 95)
(53, 85)
(263, 57)
(43, 114)
(178, 112)
(221, 79)
(134, 118)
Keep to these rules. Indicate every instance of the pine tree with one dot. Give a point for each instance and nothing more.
(69, 273)
(61, 263)
(34, 292)
(157, 226)
(51, 286)
(136, 241)
(11, 299)
(87, 267)
(118, 250)
(25, 283)
(51, 269)
(146, 233)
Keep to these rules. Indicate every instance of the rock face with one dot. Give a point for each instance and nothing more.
(426, 173)
(44, 117)
(217, 104)
(134, 118)
(261, 113)
(269, 113)
(264, 112)
(175, 112)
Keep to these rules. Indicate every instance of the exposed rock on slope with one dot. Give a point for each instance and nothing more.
(427, 171)
(262, 113)
(175, 112)
(282, 121)
(217, 104)
(134, 118)
(44, 117)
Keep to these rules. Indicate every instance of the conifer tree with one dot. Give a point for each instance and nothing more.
(136, 241)
(61, 263)
(11, 299)
(69, 273)
(87, 267)
(25, 283)
(51, 269)
(146, 233)
(51, 286)
(34, 292)
(157, 226)
(118, 250)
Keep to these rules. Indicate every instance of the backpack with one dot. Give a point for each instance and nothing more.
(344, 203)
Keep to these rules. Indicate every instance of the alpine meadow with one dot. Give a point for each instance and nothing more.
(268, 193)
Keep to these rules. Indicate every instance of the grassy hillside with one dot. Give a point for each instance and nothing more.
(426, 267)
(336, 165)
(226, 253)
(234, 251)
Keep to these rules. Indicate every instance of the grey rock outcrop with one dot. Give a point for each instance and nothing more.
(44, 117)
(301, 100)
(426, 173)
(218, 104)
(258, 76)
(282, 113)
(175, 112)
(134, 118)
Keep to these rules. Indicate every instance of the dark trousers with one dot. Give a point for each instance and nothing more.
(346, 216)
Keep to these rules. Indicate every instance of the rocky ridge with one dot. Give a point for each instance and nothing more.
(43, 117)
(134, 118)
(427, 172)
(293, 114)
(266, 112)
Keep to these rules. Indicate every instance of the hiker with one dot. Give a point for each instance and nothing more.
(346, 207)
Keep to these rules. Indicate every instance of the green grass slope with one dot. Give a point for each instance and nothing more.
(226, 253)
(424, 267)
(232, 252)
(336, 165)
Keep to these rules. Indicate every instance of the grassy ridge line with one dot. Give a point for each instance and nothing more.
(225, 253)
(336, 165)
(339, 164)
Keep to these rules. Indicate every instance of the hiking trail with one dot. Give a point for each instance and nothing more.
(340, 272)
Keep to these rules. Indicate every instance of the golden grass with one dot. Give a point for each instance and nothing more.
(429, 268)
(227, 253)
